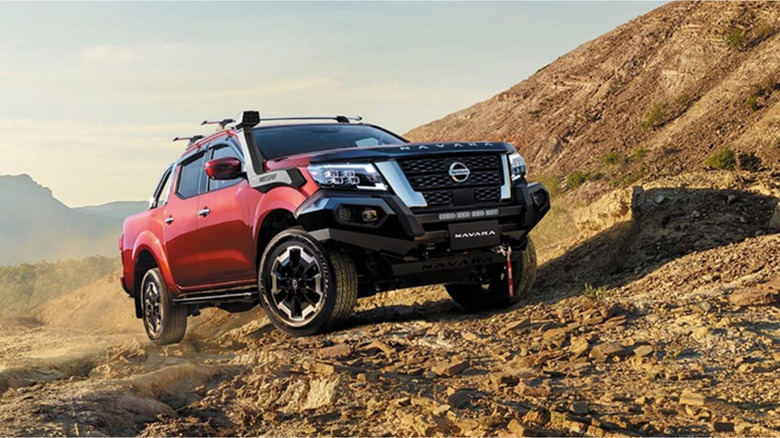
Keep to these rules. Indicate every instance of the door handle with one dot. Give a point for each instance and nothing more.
(204, 212)
(169, 220)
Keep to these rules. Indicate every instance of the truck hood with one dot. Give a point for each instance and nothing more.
(381, 153)
(408, 150)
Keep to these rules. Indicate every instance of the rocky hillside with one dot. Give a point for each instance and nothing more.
(662, 319)
(656, 310)
(657, 95)
(117, 210)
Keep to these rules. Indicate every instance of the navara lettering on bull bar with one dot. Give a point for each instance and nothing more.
(304, 215)
(475, 234)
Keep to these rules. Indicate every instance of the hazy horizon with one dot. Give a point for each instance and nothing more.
(94, 92)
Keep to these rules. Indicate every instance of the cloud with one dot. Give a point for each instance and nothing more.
(127, 53)
(271, 88)
(10, 45)
(108, 53)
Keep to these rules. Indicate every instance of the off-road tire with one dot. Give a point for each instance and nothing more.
(495, 295)
(172, 317)
(339, 283)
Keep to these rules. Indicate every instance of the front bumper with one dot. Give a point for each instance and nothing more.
(401, 232)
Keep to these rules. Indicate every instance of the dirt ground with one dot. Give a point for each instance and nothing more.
(660, 317)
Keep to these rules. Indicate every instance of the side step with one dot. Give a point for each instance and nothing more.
(219, 298)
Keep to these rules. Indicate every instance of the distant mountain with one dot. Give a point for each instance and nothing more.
(657, 95)
(35, 226)
(115, 210)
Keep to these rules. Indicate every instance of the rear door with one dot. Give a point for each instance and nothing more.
(225, 229)
(181, 220)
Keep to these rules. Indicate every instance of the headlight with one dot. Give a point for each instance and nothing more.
(517, 166)
(347, 176)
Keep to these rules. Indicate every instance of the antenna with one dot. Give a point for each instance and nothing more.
(192, 139)
(222, 123)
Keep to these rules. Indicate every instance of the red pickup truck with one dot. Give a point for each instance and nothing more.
(303, 215)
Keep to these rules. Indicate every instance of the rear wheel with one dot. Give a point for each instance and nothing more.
(305, 289)
(495, 294)
(164, 321)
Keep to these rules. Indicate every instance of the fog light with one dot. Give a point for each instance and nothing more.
(344, 214)
(369, 215)
(540, 198)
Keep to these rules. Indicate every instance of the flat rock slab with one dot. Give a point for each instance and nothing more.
(754, 296)
(771, 285)
(338, 351)
(450, 369)
(602, 352)
(691, 398)
(537, 387)
(643, 350)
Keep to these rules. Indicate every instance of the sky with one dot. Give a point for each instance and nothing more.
(91, 94)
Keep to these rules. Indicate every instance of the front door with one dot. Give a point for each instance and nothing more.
(181, 221)
(225, 228)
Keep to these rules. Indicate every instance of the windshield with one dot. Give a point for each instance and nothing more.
(281, 141)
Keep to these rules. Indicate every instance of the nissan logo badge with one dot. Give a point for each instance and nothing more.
(459, 172)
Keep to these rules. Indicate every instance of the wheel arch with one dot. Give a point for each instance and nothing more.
(148, 253)
(277, 206)
(144, 261)
(274, 222)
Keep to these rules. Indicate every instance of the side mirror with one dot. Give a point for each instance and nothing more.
(223, 168)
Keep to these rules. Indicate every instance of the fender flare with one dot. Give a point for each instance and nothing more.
(147, 241)
(280, 198)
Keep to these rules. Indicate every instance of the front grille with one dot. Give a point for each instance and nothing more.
(442, 197)
(484, 194)
(443, 180)
(433, 165)
(430, 176)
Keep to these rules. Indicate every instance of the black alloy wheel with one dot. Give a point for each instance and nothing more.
(304, 287)
(297, 285)
(164, 322)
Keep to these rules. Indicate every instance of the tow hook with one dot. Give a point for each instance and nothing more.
(506, 250)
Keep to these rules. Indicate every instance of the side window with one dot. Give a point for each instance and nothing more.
(221, 152)
(160, 195)
(191, 177)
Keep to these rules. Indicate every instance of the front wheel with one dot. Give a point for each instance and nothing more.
(495, 294)
(164, 321)
(305, 289)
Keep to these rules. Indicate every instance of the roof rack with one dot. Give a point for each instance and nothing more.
(340, 119)
(192, 139)
(222, 123)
